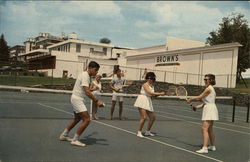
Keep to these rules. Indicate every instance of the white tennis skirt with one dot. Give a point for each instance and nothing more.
(78, 104)
(210, 112)
(144, 102)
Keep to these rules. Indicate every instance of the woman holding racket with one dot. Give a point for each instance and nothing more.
(144, 104)
(209, 114)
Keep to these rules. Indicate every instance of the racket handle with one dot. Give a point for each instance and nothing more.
(194, 109)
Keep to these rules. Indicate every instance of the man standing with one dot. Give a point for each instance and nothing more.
(80, 91)
(116, 85)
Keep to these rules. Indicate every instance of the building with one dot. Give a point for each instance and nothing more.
(185, 62)
(178, 61)
(16, 51)
(72, 56)
(68, 56)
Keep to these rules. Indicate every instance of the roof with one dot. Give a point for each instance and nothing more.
(35, 52)
(80, 42)
(17, 46)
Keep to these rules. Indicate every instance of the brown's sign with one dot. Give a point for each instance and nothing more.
(167, 60)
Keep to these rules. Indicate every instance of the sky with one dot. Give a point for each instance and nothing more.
(133, 24)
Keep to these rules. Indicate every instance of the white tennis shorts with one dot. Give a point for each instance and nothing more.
(117, 98)
(78, 104)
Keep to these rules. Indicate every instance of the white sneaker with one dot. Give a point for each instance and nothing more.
(202, 151)
(65, 138)
(211, 148)
(148, 133)
(77, 143)
(139, 135)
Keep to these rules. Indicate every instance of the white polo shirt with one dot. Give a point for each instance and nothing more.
(82, 80)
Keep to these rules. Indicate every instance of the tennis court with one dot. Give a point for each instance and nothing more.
(30, 124)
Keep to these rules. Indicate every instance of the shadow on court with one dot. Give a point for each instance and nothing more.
(90, 140)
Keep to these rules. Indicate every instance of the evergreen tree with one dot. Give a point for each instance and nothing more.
(4, 52)
(234, 29)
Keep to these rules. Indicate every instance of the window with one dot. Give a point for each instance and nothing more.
(105, 50)
(78, 47)
(91, 50)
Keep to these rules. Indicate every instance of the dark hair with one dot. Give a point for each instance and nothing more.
(150, 75)
(116, 67)
(118, 70)
(94, 64)
(211, 78)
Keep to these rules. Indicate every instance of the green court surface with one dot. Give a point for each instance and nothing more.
(30, 125)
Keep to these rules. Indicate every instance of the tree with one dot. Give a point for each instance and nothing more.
(234, 28)
(105, 40)
(4, 51)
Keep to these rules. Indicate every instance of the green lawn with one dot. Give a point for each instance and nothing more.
(32, 80)
(241, 88)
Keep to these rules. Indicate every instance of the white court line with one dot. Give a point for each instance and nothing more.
(55, 108)
(197, 123)
(199, 119)
(150, 139)
(221, 115)
(163, 112)
(157, 141)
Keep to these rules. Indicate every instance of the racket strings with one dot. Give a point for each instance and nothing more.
(181, 91)
(171, 91)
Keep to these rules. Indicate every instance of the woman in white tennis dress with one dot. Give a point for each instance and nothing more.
(209, 113)
(96, 88)
(144, 104)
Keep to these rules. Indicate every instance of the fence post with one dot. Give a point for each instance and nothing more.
(52, 77)
(15, 76)
(165, 76)
(227, 80)
(140, 74)
(233, 109)
(248, 111)
(187, 79)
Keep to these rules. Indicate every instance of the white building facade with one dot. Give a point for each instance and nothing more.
(67, 57)
(182, 65)
(73, 56)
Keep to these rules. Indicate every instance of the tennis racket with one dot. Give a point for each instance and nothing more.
(182, 94)
(171, 91)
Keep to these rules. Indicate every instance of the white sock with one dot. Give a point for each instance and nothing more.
(139, 132)
(65, 132)
(76, 137)
(204, 147)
